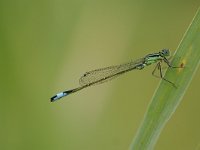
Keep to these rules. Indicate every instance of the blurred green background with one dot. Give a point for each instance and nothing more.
(46, 45)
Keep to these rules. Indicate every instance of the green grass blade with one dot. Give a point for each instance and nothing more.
(166, 97)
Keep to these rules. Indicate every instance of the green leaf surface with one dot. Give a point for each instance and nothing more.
(166, 97)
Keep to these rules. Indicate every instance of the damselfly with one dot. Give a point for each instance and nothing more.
(102, 75)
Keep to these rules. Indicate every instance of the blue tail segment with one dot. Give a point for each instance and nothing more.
(61, 94)
(58, 96)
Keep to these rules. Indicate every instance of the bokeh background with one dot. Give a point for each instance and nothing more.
(46, 45)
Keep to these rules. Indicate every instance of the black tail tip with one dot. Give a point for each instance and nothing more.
(58, 96)
(53, 98)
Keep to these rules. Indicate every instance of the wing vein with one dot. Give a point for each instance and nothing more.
(102, 75)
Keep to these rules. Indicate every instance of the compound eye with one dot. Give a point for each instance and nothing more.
(165, 52)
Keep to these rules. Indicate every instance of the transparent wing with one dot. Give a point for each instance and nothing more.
(102, 75)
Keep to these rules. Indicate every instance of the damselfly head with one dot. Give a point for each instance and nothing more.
(165, 52)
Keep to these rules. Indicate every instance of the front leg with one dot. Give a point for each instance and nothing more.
(169, 64)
